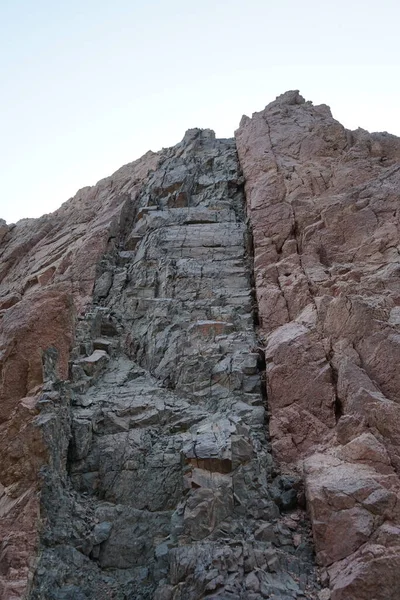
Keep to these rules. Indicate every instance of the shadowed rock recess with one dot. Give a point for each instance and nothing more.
(199, 372)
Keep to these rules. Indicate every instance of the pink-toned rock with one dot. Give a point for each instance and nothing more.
(45, 319)
(372, 574)
(300, 390)
(344, 499)
(65, 246)
(47, 273)
(366, 449)
(324, 207)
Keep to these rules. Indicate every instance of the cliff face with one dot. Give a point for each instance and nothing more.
(47, 271)
(324, 207)
(195, 351)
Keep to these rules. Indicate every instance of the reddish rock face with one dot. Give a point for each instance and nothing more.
(47, 273)
(324, 208)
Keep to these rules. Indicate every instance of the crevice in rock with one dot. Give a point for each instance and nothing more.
(251, 274)
(338, 406)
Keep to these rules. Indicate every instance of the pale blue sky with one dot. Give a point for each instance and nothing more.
(87, 86)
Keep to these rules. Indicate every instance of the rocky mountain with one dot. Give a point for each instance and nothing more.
(199, 373)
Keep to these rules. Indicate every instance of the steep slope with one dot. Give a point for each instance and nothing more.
(159, 481)
(194, 351)
(324, 208)
(47, 272)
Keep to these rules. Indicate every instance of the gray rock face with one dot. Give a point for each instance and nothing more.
(162, 483)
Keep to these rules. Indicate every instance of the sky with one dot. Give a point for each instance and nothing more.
(87, 86)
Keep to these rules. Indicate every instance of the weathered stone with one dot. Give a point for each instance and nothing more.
(323, 205)
(95, 363)
(159, 465)
(252, 582)
(101, 532)
(157, 479)
(81, 437)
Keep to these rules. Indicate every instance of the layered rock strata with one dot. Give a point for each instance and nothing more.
(324, 208)
(157, 479)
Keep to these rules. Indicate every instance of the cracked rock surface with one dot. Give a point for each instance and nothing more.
(156, 476)
(199, 373)
(324, 208)
(47, 271)
(169, 459)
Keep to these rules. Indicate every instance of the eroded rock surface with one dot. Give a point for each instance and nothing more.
(48, 267)
(156, 477)
(146, 326)
(324, 209)
(170, 478)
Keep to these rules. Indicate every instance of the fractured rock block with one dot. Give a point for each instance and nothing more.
(94, 364)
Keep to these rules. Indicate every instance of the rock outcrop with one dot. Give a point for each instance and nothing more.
(47, 273)
(324, 208)
(157, 479)
(199, 372)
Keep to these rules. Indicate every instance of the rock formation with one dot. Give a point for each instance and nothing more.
(324, 207)
(198, 360)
